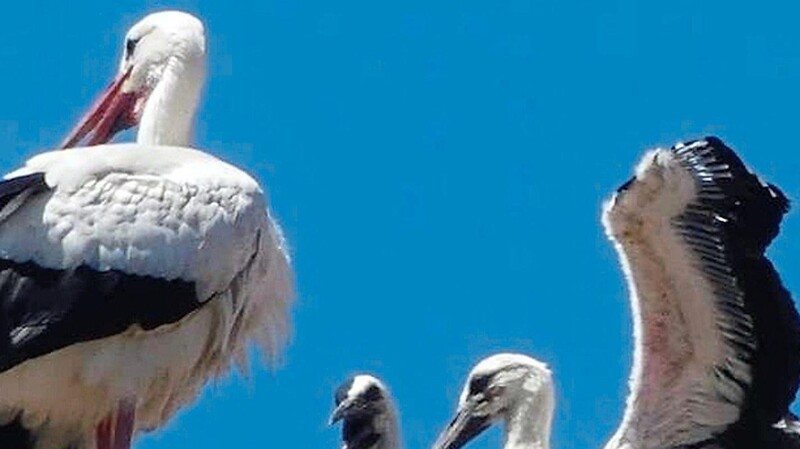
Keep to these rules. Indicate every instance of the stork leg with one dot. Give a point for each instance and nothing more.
(115, 431)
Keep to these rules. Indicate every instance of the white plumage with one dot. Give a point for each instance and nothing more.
(512, 389)
(676, 397)
(170, 213)
(157, 218)
(160, 211)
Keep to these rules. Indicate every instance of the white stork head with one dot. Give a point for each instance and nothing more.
(512, 389)
(161, 74)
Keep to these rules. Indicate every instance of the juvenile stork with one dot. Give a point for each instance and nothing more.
(716, 360)
(368, 415)
(131, 274)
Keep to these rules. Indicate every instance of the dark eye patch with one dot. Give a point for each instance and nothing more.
(373, 393)
(479, 383)
(130, 47)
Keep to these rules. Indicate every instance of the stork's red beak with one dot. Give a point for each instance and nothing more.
(111, 113)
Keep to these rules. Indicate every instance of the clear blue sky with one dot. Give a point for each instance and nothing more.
(439, 169)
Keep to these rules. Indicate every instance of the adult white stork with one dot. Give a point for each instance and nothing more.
(368, 414)
(717, 338)
(130, 274)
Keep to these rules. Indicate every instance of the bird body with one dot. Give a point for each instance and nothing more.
(131, 274)
(147, 210)
(188, 226)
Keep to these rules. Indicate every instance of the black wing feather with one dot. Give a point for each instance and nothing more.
(11, 188)
(43, 310)
(14, 436)
(14, 191)
(746, 213)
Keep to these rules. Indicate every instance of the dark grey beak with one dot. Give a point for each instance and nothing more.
(464, 427)
(358, 427)
(341, 411)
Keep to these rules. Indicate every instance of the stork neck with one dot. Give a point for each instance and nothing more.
(528, 425)
(391, 430)
(169, 112)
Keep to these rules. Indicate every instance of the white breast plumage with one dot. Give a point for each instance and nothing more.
(163, 212)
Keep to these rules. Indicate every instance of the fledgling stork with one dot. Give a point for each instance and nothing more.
(131, 274)
(368, 414)
(716, 359)
(512, 389)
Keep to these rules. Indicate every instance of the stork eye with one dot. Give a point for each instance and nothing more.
(478, 384)
(130, 46)
(373, 393)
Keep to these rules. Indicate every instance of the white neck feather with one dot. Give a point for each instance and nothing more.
(168, 115)
(529, 422)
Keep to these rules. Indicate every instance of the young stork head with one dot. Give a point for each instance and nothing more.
(512, 389)
(158, 85)
(369, 419)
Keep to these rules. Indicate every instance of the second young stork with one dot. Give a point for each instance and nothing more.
(716, 359)
(131, 274)
(368, 414)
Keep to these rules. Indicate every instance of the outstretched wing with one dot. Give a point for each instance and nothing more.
(717, 339)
